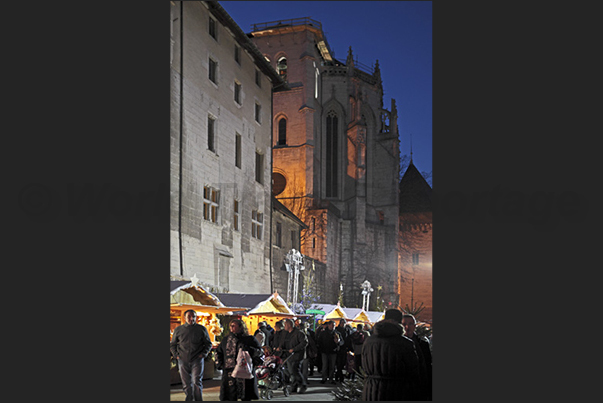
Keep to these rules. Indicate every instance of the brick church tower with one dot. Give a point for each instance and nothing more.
(415, 243)
(335, 158)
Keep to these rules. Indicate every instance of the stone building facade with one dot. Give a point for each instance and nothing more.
(221, 134)
(335, 158)
(415, 276)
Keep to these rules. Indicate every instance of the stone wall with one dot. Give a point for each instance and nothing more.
(208, 247)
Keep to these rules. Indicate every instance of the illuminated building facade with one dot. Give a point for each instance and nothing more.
(221, 99)
(415, 277)
(335, 158)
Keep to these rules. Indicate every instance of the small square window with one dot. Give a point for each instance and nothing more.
(279, 232)
(237, 150)
(257, 221)
(258, 112)
(259, 167)
(237, 54)
(212, 28)
(211, 203)
(237, 92)
(213, 71)
(211, 125)
(236, 215)
(258, 78)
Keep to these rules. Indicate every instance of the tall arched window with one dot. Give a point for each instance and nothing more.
(331, 161)
(281, 67)
(282, 132)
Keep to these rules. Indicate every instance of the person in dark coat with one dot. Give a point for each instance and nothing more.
(190, 344)
(390, 362)
(328, 341)
(342, 354)
(357, 339)
(422, 345)
(311, 350)
(277, 337)
(226, 360)
(294, 346)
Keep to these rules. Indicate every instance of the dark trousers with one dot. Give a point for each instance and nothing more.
(341, 360)
(328, 366)
(295, 370)
(357, 365)
(190, 373)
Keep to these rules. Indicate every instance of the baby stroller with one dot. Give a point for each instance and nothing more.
(271, 376)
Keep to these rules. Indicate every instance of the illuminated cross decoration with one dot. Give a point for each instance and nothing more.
(366, 294)
(293, 264)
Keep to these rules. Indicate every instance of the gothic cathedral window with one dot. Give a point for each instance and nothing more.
(282, 132)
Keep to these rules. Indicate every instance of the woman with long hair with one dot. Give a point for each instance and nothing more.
(238, 338)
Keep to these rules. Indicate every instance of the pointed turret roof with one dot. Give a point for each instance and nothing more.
(415, 192)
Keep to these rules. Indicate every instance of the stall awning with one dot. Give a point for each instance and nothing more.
(375, 316)
(208, 308)
(188, 295)
(361, 317)
(274, 304)
(270, 305)
(336, 313)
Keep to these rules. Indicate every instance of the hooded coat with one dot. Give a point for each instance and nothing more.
(391, 363)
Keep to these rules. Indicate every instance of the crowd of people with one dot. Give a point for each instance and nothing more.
(395, 360)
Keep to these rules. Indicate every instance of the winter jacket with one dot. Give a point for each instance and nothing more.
(325, 341)
(190, 342)
(357, 339)
(422, 346)
(296, 340)
(277, 337)
(231, 389)
(391, 363)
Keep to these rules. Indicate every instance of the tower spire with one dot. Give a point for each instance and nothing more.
(411, 148)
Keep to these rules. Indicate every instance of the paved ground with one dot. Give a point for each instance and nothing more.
(211, 391)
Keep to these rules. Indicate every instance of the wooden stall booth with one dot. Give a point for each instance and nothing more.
(261, 307)
(185, 295)
(332, 312)
(358, 315)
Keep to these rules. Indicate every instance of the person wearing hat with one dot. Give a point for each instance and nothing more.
(390, 361)
(329, 341)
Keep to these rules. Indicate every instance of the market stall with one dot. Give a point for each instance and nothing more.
(375, 316)
(332, 312)
(262, 307)
(361, 317)
(185, 295)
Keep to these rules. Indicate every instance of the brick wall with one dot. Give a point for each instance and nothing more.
(416, 238)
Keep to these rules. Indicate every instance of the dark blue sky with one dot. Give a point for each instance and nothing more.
(397, 33)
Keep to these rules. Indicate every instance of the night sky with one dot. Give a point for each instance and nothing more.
(397, 33)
